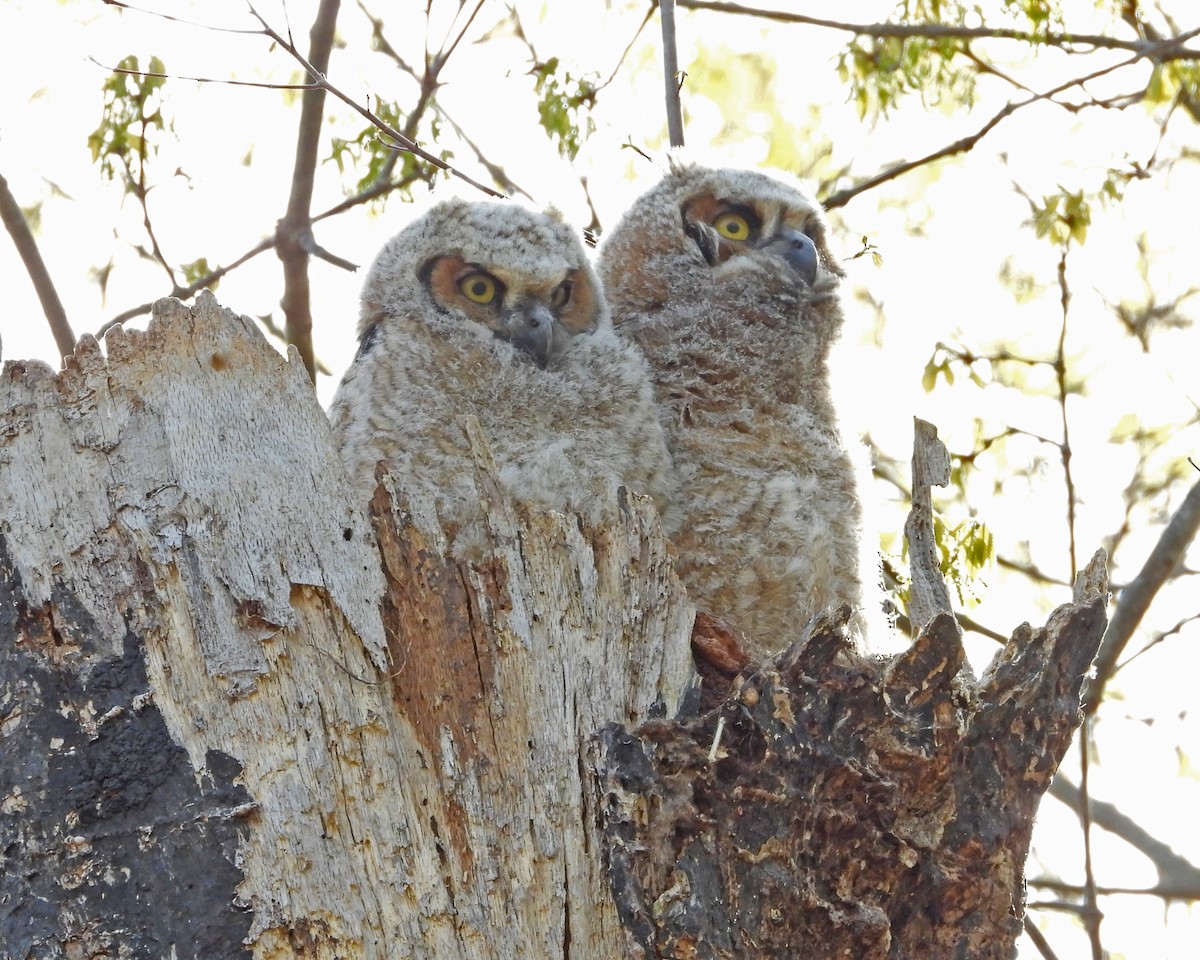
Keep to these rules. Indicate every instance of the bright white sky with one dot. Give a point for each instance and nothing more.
(944, 234)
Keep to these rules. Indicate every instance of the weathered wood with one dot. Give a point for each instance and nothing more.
(928, 595)
(854, 807)
(241, 716)
(216, 730)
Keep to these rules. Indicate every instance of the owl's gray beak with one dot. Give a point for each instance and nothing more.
(533, 331)
(798, 250)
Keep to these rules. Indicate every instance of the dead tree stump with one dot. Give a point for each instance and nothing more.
(239, 716)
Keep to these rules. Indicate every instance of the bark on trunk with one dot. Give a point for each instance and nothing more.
(239, 718)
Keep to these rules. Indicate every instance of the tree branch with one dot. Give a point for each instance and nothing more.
(1135, 599)
(1176, 875)
(293, 233)
(1170, 48)
(671, 78)
(842, 197)
(1039, 941)
(400, 141)
(22, 237)
(1060, 376)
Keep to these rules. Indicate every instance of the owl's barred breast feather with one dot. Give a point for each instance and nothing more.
(563, 436)
(766, 518)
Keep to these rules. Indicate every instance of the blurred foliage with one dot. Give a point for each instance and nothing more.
(193, 271)
(742, 88)
(1062, 217)
(564, 105)
(375, 160)
(132, 111)
(965, 551)
(881, 71)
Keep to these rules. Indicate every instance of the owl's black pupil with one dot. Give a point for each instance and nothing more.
(478, 288)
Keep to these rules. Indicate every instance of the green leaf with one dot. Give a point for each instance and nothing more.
(929, 377)
(195, 270)
(132, 110)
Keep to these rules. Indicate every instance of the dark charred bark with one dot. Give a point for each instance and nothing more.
(842, 806)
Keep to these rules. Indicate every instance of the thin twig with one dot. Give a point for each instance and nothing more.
(1104, 890)
(261, 85)
(189, 23)
(945, 31)
(1039, 941)
(1134, 600)
(629, 46)
(294, 243)
(1060, 373)
(35, 266)
(1090, 915)
(1175, 873)
(445, 53)
(399, 141)
(216, 274)
(184, 293)
(384, 46)
(671, 82)
(842, 197)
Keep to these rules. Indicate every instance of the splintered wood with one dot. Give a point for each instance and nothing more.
(230, 729)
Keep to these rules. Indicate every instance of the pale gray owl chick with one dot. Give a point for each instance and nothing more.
(724, 280)
(493, 310)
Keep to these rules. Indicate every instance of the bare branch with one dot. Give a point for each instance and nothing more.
(1072, 890)
(1090, 912)
(1039, 941)
(293, 234)
(495, 171)
(1176, 875)
(1060, 373)
(184, 293)
(1169, 48)
(189, 23)
(629, 46)
(671, 78)
(384, 45)
(842, 197)
(1135, 599)
(445, 53)
(215, 275)
(400, 141)
(22, 237)
(261, 85)
(1031, 571)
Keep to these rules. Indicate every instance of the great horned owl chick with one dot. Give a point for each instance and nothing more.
(724, 280)
(493, 310)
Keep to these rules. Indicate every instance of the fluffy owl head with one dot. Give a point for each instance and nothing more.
(503, 271)
(739, 238)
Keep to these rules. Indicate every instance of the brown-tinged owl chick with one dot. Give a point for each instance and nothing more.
(493, 310)
(724, 280)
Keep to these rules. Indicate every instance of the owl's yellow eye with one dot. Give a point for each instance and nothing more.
(732, 226)
(478, 288)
